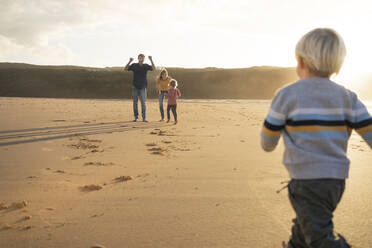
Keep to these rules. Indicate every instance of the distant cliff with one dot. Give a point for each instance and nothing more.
(24, 80)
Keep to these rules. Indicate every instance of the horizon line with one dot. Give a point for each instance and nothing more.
(108, 67)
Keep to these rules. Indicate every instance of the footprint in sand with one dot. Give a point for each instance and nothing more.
(14, 205)
(85, 143)
(19, 205)
(97, 164)
(96, 150)
(84, 146)
(25, 228)
(77, 157)
(157, 151)
(97, 215)
(151, 144)
(163, 133)
(91, 140)
(160, 132)
(27, 217)
(3, 206)
(123, 179)
(6, 227)
(31, 177)
(91, 187)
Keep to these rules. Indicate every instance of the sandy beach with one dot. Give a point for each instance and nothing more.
(79, 173)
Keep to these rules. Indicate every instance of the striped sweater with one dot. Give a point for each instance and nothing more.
(316, 117)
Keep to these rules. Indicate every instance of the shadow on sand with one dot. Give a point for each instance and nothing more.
(21, 136)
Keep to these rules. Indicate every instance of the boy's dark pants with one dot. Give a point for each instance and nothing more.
(314, 202)
(174, 111)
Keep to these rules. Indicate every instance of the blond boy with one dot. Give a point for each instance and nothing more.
(316, 117)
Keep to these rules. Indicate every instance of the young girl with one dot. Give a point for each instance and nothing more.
(173, 94)
(162, 85)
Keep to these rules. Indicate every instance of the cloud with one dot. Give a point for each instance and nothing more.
(35, 26)
(51, 54)
(27, 27)
(31, 22)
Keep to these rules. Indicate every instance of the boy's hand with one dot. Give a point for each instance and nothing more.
(150, 57)
(130, 60)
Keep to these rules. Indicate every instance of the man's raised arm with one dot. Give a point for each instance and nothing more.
(152, 63)
(127, 66)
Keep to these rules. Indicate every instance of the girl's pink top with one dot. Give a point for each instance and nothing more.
(173, 94)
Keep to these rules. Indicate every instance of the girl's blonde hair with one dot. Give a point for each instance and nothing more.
(173, 83)
(323, 51)
(161, 72)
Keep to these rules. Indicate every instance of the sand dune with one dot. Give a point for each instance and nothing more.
(23, 80)
(92, 179)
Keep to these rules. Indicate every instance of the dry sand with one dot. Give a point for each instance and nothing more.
(78, 173)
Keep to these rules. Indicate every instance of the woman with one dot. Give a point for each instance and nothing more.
(162, 85)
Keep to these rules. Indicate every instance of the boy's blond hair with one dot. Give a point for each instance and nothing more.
(323, 51)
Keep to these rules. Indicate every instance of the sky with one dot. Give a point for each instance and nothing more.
(178, 33)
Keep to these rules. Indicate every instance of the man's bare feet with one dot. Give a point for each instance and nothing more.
(167, 121)
(284, 244)
(175, 123)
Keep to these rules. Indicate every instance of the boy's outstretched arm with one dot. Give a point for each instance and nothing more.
(274, 124)
(362, 121)
(270, 133)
